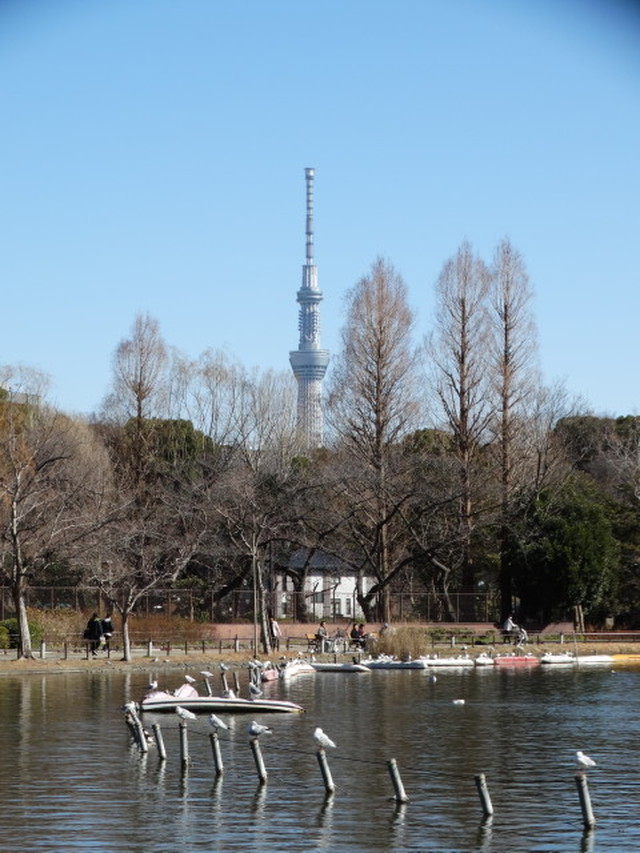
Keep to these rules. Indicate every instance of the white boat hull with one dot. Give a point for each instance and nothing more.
(339, 667)
(455, 662)
(384, 663)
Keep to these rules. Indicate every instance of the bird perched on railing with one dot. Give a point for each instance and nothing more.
(184, 714)
(217, 723)
(322, 739)
(257, 729)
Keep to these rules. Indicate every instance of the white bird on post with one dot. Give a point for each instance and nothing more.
(584, 761)
(184, 714)
(257, 729)
(322, 739)
(190, 679)
(254, 690)
(206, 673)
(217, 723)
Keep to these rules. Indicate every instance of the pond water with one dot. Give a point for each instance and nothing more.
(71, 780)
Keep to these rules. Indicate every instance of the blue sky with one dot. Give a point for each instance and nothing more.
(153, 157)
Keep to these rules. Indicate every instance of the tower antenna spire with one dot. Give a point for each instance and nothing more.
(309, 362)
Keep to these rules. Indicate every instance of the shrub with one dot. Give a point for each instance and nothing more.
(11, 627)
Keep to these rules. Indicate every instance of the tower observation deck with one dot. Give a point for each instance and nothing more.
(309, 362)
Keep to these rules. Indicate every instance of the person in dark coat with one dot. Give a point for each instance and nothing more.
(94, 633)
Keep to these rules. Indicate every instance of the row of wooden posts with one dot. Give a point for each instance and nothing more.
(140, 738)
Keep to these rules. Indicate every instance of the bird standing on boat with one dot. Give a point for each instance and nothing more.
(257, 729)
(184, 714)
(322, 739)
(584, 761)
(217, 723)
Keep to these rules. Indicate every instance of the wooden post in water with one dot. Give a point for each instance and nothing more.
(483, 792)
(585, 800)
(326, 772)
(236, 644)
(142, 738)
(217, 755)
(149, 648)
(131, 725)
(184, 745)
(398, 787)
(225, 684)
(254, 743)
(236, 683)
(157, 733)
(207, 684)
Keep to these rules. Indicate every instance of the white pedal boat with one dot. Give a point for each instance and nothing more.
(188, 697)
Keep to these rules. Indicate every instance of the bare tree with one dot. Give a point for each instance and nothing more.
(458, 357)
(52, 478)
(514, 378)
(156, 522)
(373, 405)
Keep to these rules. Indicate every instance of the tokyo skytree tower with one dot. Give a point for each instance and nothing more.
(309, 362)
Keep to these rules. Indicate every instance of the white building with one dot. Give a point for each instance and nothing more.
(329, 590)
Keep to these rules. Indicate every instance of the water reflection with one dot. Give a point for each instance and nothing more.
(63, 736)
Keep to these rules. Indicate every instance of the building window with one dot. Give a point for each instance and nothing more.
(347, 607)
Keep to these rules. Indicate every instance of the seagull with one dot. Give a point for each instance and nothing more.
(584, 761)
(432, 678)
(224, 667)
(190, 679)
(217, 723)
(256, 729)
(323, 739)
(458, 701)
(152, 685)
(254, 690)
(130, 707)
(184, 714)
(206, 673)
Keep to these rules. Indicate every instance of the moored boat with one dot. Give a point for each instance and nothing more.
(188, 697)
(294, 667)
(484, 659)
(390, 662)
(558, 659)
(516, 660)
(594, 660)
(322, 666)
(458, 661)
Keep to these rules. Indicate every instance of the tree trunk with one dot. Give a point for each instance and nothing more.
(24, 634)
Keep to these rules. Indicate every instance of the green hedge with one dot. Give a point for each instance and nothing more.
(9, 634)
